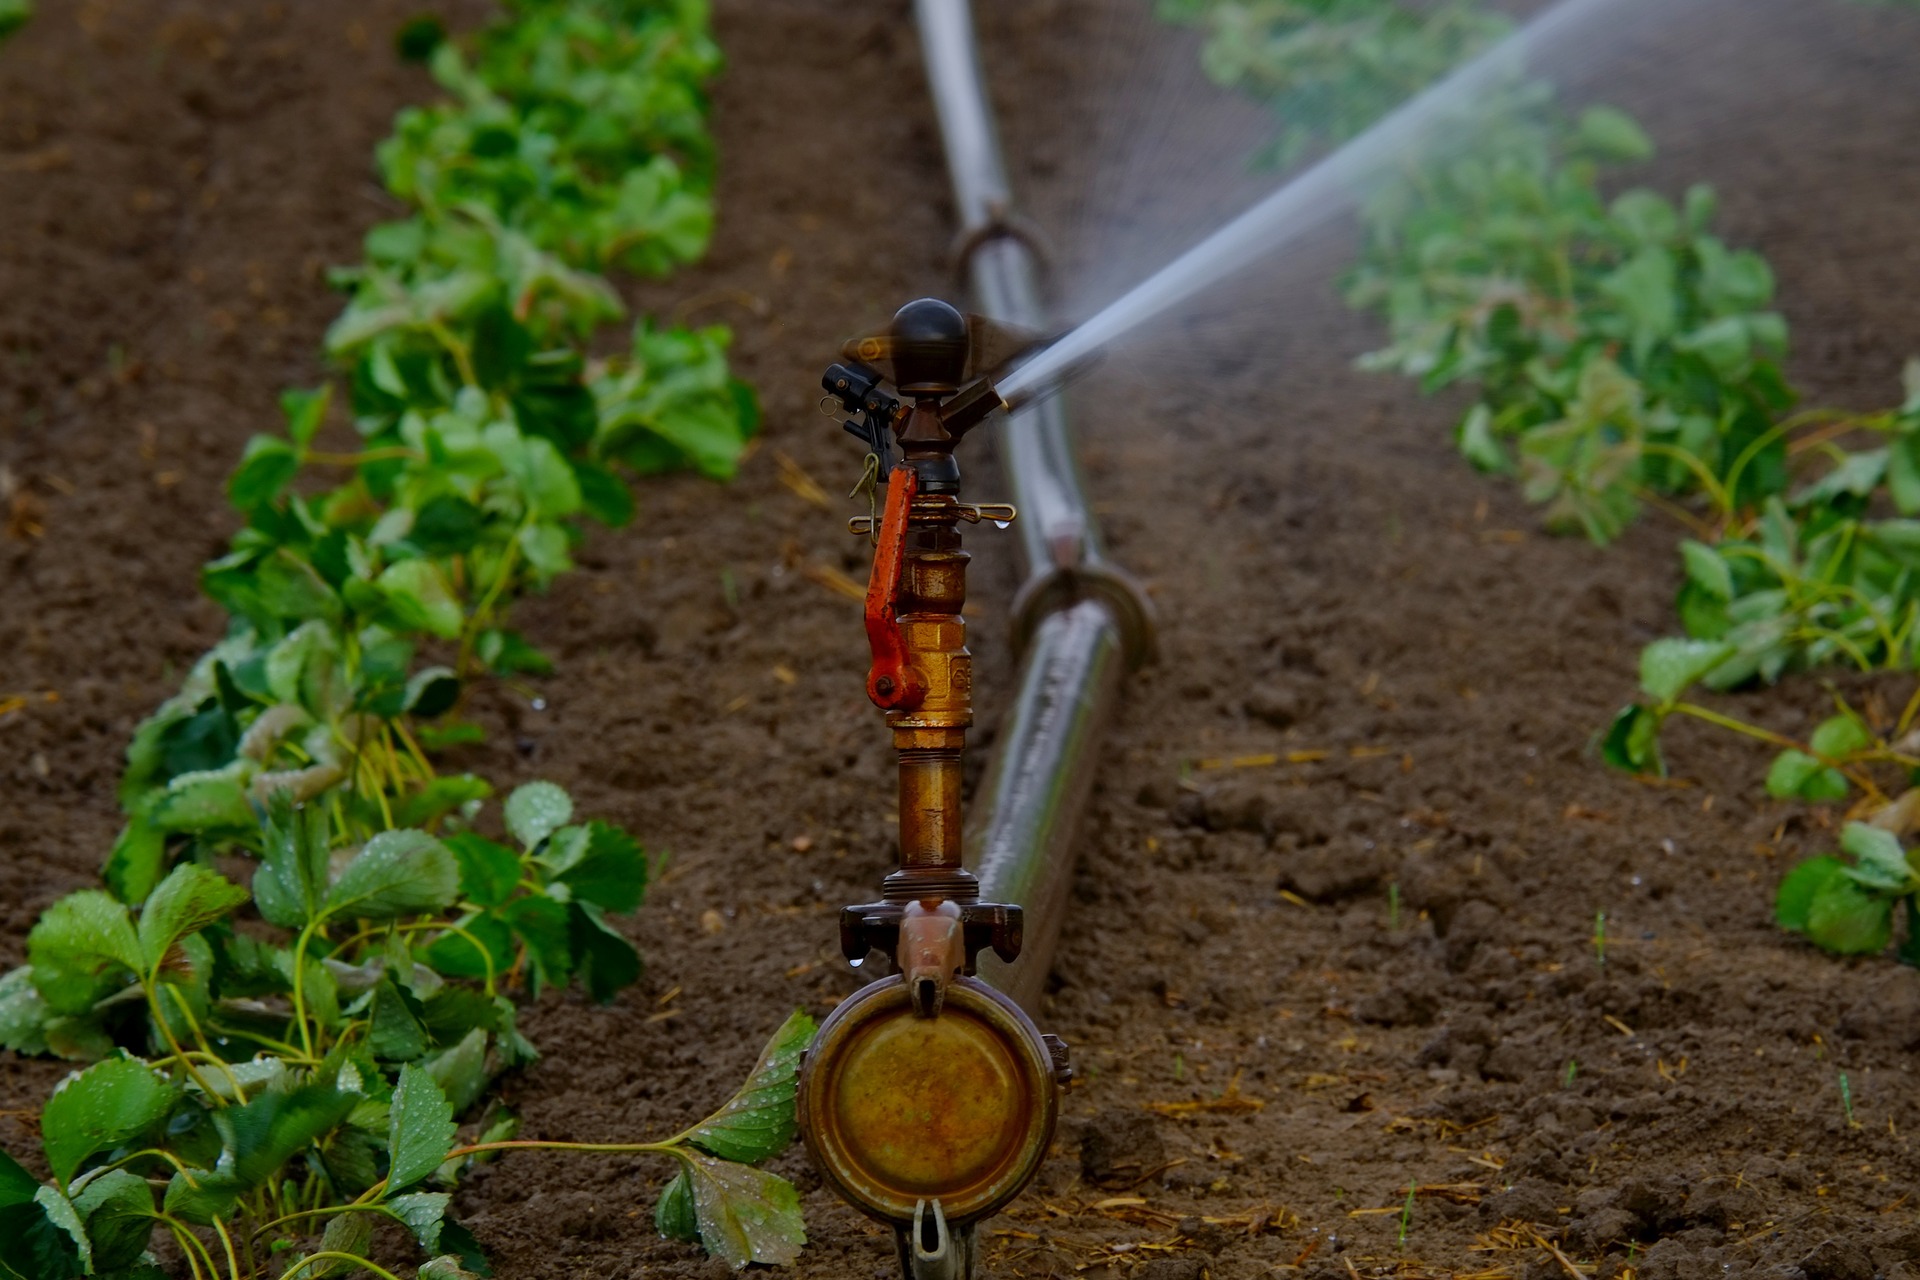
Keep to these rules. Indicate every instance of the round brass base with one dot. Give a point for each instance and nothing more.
(897, 1109)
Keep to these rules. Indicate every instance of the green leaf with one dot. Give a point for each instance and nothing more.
(395, 1032)
(535, 810)
(432, 691)
(419, 599)
(292, 880)
(1707, 570)
(187, 901)
(1797, 775)
(1632, 741)
(423, 1212)
(447, 525)
(98, 1109)
(1880, 862)
(201, 1195)
(507, 653)
(261, 1136)
(419, 1130)
(447, 1267)
(1903, 473)
(604, 495)
(397, 873)
(117, 1210)
(544, 928)
(32, 1247)
(138, 859)
(266, 467)
(674, 1216)
(61, 1213)
(603, 959)
(1849, 920)
(23, 1014)
(350, 1233)
(546, 478)
(757, 1123)
(1668, 667)
(455, 1237)
(1614, 134)
(1840, 736)
(1645, 291)
(78, 948)
(200, 802)
(305, 411)
(461, 1070)
(744, 1214)
(1479, 445)
(17, 1186)
(489, 872)
(601, 864)
(458, 955)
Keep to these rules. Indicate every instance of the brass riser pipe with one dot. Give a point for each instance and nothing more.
(1023, 829)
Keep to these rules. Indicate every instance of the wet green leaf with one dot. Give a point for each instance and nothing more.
(80, 946)
(535, 810)
(423, 1213)
(99, 1108)
(291, 882)
(420, 1132)
(758, 1123)
(187, 901)
(674, 1216)
(744, 1214)
(397, 873)
(117, 1210)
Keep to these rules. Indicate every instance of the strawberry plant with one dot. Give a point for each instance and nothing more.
(1623, 356)
(1847, 904)
(284, 1049)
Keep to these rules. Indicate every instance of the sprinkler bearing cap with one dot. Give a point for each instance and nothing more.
(897, 1108)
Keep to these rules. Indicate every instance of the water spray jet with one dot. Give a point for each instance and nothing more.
(1440, 116)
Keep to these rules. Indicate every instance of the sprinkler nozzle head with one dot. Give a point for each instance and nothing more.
(930, 345)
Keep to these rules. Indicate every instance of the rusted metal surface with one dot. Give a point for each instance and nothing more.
(901, 1110)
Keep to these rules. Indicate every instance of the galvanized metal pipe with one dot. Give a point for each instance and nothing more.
(1023, 845)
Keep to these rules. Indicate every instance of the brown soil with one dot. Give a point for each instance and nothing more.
(1330, 577)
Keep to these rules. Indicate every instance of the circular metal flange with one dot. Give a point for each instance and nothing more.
(898, 1109)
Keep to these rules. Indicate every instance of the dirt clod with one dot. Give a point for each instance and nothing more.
(1837, 1260)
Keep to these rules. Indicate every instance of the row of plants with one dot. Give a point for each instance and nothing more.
(1620, 356)
(303, 969)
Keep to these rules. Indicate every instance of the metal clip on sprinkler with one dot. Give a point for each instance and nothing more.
(928, 1099)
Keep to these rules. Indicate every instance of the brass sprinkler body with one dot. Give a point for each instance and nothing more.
(928, 1098)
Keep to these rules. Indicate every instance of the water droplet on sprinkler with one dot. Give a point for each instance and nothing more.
(1002, 524)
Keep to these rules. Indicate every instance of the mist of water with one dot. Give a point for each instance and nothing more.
(1425, 125)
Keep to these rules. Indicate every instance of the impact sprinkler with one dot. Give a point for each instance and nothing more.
(928, 1098)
